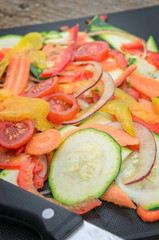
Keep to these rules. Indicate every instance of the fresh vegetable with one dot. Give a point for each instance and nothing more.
(17, 74)
(92, 51)
(62, 107)
(15, 134)
(43, 142)
(9, 41)
(79, 173)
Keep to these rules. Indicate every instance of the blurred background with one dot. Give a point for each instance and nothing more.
(15, 13)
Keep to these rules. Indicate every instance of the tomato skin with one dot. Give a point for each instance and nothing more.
(15, 134)
(63, 107)
(94, 51)
(153, 58)
(43, 88)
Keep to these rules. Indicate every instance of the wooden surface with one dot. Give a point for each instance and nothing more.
(27, 12)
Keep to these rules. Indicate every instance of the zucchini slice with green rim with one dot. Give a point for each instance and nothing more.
(84, 166)
(9, 41)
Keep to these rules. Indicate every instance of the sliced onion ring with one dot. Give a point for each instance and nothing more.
(108, 93)
(147, 151)
(97, 73)
(120, 33)
(82, 103)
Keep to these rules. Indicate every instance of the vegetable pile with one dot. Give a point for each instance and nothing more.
(80, 110)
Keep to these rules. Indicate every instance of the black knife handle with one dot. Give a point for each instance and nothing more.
(50, 220)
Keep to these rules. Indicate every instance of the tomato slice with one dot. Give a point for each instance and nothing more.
(43, 88)
(15, 134)
(94, 51)
(119, 57)
(63, 107)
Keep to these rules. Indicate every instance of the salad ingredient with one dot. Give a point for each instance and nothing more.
(92, 51)
(146, 215)
(119, 57)
(145, 192)
(43, 142)
(150, 126)
(153, 58)
(28, 42)
(17, 108)
(116, 195)
(17, 74)
(9, 176)
(9, 41)
(147, 154)
(116, 107)
(123, 76)
(99, 117)
(134, 48)
(62, 107)
(97, 73)
(151, 44)
(4, 93)
(83, 157)
(41, 89)
(144, 84)
(119, 135)
(15, 134)
(135, 108)
(108, 92)
(66, 56)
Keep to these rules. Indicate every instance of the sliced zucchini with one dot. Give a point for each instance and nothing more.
(84, 166)
(9, 41)
(125, 152)
(145, 192)
(98, 117)
(66, 128)
(151, 44)
(9, 176)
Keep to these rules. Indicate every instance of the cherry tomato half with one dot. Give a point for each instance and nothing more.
(15, 134)
(43, 88)
(94, 51)
(63, 107)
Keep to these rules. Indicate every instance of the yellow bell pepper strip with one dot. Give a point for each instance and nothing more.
(135, 108)
(155, 103)
(4, 93)
(121, 110)
(29, 41)
(16, 108)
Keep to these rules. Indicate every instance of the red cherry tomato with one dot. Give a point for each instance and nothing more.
(63, 107)
(94, 51)
(15, 134)
(43, 88)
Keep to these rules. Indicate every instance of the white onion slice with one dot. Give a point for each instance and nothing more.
(97, 73)
(82, 103)
(120, 33)
(108, 93)
(43, 161)
(147, 150)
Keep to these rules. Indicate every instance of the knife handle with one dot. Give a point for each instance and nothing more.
(50, 220)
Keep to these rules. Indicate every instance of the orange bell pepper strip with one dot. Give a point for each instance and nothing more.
(135, 108)
(121, 110)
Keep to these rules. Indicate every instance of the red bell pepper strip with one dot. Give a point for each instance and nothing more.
(153, 58)
(119, 57)
(1, 56)
(65, 57)
(133, 48)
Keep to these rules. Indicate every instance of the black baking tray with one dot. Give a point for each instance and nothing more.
(121, 221)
